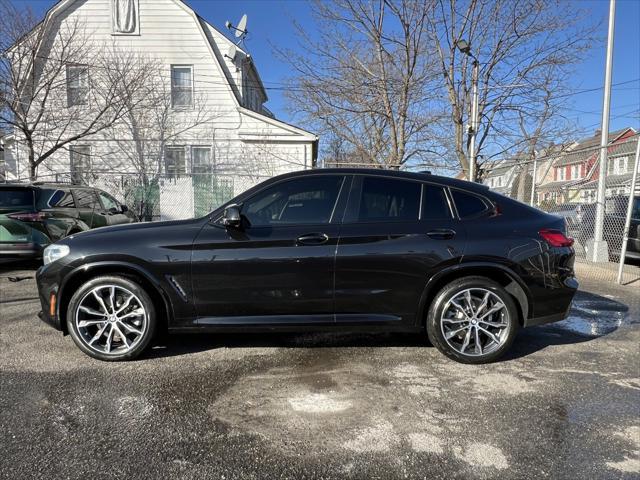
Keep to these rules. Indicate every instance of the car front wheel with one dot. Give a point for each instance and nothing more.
(111, 318)
(472, 320)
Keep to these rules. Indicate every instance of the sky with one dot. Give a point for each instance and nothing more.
(271, 23)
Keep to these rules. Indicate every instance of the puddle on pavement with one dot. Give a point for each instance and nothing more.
(593, 318)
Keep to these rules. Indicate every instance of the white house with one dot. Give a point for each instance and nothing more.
(237, 145)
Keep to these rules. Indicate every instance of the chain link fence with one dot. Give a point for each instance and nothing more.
(563, 181)
(155, 197)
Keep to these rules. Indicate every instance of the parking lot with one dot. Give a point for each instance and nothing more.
(564, 404)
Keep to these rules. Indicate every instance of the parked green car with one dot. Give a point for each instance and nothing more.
(34, 215)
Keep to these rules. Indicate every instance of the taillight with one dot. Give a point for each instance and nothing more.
(555, 238)
(28, 217)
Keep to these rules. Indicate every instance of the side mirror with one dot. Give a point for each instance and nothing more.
(231, 216)
(124, 208)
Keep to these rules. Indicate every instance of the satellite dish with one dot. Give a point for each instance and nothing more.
(241, 29)
(232, 52)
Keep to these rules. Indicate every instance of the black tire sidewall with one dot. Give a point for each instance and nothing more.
(134, 288)
(449, 291)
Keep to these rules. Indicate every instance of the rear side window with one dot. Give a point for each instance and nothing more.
(16, 198)
(467, 204)
(57, 199)
(86, 199)
(388, 199)
(434, 203)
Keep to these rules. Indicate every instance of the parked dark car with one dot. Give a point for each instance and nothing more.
(34, 215)
(613, 227)
(334, 249)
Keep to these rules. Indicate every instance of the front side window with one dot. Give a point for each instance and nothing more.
(467, 204)
(308, 200)
(80, 158)
(181, 86)
(174, 162)
(389, 199)
(108, 202)
(77, 85)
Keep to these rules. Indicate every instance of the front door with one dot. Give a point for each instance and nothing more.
(395, 234)
(278, 267)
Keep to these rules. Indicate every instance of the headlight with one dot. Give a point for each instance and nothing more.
(54, 252)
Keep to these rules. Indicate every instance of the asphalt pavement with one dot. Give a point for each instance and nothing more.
(564, 404)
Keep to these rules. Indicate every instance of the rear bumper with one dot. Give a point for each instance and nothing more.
(562, 303)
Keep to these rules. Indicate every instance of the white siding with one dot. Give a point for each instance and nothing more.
(241, 141)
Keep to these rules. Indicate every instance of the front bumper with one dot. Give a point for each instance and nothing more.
(48, 278)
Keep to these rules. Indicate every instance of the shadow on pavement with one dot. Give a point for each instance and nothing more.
(591, 316)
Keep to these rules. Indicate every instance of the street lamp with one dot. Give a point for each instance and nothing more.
(465, 47)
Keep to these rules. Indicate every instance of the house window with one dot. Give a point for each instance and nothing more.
(201, 160)
(80, 161)
(181, 86)
(561, 173)
(77, 85)
(174, 162)
(575, 172)
(124, 17)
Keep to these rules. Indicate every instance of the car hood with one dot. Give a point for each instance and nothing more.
(146, 227)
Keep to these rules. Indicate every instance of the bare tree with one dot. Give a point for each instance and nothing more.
(365, 78)
(150, 121)
(523, 48)
(55, 86)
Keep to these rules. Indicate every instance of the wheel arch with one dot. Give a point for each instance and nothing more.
(136, 273)
(498, 273)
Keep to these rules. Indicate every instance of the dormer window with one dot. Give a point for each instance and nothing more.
(125, 17)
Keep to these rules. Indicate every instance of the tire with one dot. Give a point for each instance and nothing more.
(462, 324)
(123, 332)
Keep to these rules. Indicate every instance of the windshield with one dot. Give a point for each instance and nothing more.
(16, 198)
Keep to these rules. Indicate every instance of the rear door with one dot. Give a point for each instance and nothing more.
(60, 208)
(396, 234)
(89, 207)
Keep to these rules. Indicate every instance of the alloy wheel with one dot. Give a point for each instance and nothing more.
(475, 322)
(111, 319)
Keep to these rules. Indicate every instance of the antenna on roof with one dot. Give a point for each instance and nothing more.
(240, 31)
(232, 52)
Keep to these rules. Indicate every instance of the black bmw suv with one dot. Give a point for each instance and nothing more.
(34, 215)
(348, 249)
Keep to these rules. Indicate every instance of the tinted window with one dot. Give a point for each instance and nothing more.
(385, 199)
(468, 205)
(434, 203)
(86, 199)
(16, 198)
(305, 200)
(58, 199)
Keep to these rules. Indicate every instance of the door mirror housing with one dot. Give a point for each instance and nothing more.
(231, 216)
(124, 208)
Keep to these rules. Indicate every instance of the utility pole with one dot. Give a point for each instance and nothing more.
(465, 47)
(473, 128)
(599, 249)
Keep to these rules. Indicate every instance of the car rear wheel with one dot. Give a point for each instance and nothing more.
(472, 320)
(111, 318)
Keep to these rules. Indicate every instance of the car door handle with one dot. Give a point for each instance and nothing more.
(312, 239)
(441, 234)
